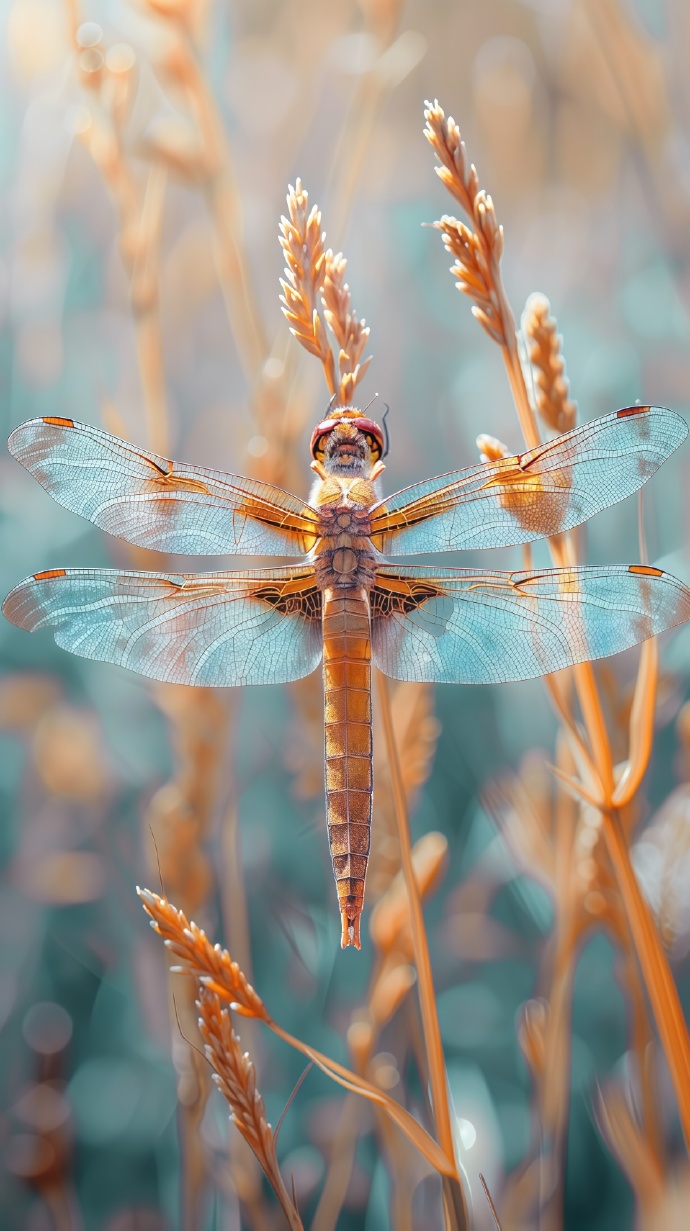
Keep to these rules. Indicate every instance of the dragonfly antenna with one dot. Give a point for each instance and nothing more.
(384, 425)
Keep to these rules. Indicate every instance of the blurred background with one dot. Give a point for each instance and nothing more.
(145, 154)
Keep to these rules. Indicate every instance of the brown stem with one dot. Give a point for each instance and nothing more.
(656, 973)
(661, 989)
(427, 997)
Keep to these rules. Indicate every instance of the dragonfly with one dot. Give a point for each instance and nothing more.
(346, 601)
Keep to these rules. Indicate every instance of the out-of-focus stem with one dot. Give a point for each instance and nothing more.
(144, 299)
(518, 389)
(656, 973)
(225, 210)
(661, 989)
(555, 1096)
(457, 1213)
(641, 1043)
(149, 354)
(340, 1170)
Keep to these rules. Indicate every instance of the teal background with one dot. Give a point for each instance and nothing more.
(577, 117)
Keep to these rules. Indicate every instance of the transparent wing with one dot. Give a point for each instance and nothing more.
(219, 629)
(539, 493)
(458, 626)
(157, 503)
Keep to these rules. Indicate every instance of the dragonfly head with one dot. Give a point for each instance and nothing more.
(347, 443)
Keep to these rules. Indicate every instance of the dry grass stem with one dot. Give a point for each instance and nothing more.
(462, 181)
(492, 1207)
(628, 1143)
(390, 920)
(235, 1077)
(214, 970)
(140, 217)
(205, 161)
(544, 344)
(427, 997)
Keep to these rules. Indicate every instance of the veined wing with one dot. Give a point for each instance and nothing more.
(542, 492)
(459, 626)
(218, 629)
(156, 503)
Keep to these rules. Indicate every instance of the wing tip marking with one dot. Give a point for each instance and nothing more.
(57, 421)
(48, 573)
(645, 570)
(629, 411)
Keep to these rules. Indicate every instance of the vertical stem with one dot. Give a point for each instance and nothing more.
(661, 989)
(659, 984)
(427, 998)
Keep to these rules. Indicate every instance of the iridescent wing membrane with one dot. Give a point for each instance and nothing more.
(156, 503)
(543, 492)
(257, 627)
(460, 626)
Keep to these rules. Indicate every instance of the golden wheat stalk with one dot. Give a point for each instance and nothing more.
(211, 965)
(233, 1073)
(392, 980)
(303, 244)
(351, 334)
(454, 1198)
(214, 969)
(462, 181)
(477, 252)
(544, 345)
(314, 284)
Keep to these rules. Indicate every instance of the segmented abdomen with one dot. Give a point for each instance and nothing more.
(349, 772)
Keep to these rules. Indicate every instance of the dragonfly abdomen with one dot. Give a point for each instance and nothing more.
(349, 772)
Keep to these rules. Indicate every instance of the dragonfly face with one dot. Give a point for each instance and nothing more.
(347, 443)
(345, 603)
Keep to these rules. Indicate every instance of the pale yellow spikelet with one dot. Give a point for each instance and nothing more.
(490, 448)
(544, 344)
(351, 334)
(210, 964)
(303, 243)
(389, 990)
(472, 267)
(459, 177)
(390, 919)
(236, 1079)
(476, 249)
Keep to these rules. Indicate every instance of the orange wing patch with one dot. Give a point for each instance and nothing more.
(167, 480)
(56, 421)
(645, 570)
(534, 505)
(629, 411)
(50, 572)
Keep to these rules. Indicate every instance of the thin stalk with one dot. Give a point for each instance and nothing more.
(656, 973)
(661, 989)
(518, 389)
(344, 1077)
(225, 212)
(335, 1189)
(144, 298)
(427, 997)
